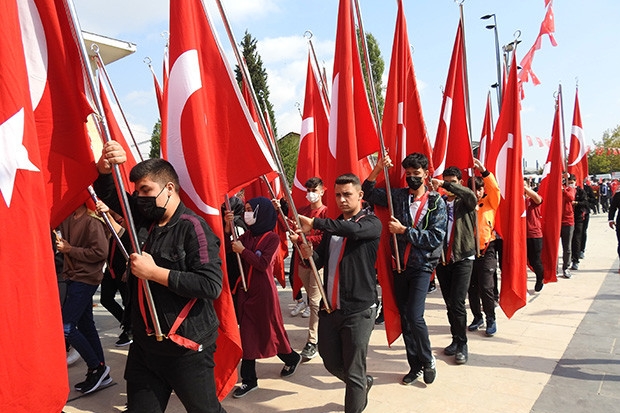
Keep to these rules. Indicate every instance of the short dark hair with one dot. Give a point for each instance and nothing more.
(158, 170)
(415, 160)
(479, 182)
(572, 177)
(349, 179)
(313, 182)
(453, 171)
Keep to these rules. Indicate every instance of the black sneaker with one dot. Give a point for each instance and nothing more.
(451, 349)
(123, 340)
(538, 287)
(461, 354)
(491, 328)
(432, 286)
(244, 389)
(309, 351)
(411, 377)
(94, 378)
(106, 380)
(369, 383)
(575, 266)
(430, 371)
(476, 324)
(289, 369)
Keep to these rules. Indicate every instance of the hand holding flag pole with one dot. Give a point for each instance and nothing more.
(108, 223)
(375, 107)
(120, 187)
(233, 231)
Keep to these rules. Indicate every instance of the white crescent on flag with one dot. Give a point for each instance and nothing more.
(35, 49)
(502, 162)
(578, 132)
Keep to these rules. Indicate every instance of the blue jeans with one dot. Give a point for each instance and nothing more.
(343, 345)
(410, 289)
(79, 325)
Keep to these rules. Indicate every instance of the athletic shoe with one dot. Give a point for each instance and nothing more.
(306, 312)
(566, 273)
(244, 389)
(106, 380)
(123, 340)
(538, 286)
(411, 377)
(451, 349)
(72, 356)
(476, 324)
(299, 307)
(491, 328)
(289, 369)
(432, 287)
(309, 351)
(575, 266)
(430, 371)
(94, 378)
(582, 255)
(461, 355)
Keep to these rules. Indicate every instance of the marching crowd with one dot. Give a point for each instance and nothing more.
(444, 228)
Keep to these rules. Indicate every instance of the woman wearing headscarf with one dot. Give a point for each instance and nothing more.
(258, 308)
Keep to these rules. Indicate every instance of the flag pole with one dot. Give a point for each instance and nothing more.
(375, 109)
(101, 67)
(561, 100)
(272, 146)
(233, 231)
(106, 219)
(116, 173)
(308, 34)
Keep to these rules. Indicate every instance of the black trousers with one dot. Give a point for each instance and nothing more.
(481, 285)
(576, 241)
(534, 249)
(343, 347)
(152, 377)
(454, 281)
(248, 367)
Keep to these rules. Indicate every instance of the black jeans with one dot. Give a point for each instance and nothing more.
(576, 241)
(584, 232)
(481, 285)
(566, 235)
(410, 289)
(454, 281)
(248, 367)
(109, 287)
(343, 347)
(534, 249)
(152, 377)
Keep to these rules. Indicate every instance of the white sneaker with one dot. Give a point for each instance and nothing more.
(72, 356)
(306, 313)
(299, 307)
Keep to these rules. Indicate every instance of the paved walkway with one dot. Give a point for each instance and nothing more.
(558, 354)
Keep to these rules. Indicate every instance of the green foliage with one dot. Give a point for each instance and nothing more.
(155, 140)
(289, 149)
(377, 66)
(603, 163)
(258, 75)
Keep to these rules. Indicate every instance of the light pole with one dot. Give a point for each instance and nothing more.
(498, 86)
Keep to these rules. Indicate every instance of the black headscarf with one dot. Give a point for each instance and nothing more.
(266, 216)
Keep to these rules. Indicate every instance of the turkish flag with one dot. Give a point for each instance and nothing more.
(546, 27)
(550, 190)
(352, 131)
(540, 142)
(487, 132)
(117, 133)
(452, 144)
(505, 162)
(212, 143)
(33, 369)
(60, 105)
(578, 154)
(313, 144)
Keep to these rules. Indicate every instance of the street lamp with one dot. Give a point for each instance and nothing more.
(497, 58)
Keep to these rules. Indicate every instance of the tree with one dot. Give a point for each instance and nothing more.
(604, 163)
(258, 75)
(289, 149)
(155, 140)
(377, 66)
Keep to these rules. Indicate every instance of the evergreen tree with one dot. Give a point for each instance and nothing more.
(155, 140)
(377, 66)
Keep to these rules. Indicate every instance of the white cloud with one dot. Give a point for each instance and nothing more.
(120, 16)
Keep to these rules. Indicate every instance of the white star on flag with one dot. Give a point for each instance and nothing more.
(13, 154)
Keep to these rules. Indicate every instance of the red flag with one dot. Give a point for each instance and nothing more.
(505, 162)
(33, 371)
(528, 138)
(212, 145)
(487, 132)
(313, 140)
(546, 27)
(578, 155)
(117, 134)
(60, 107)
(159, 93)
(352, 131)
(452, 145)
(540, 142)
(551, 208)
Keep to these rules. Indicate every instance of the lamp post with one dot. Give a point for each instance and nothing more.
(498, 87)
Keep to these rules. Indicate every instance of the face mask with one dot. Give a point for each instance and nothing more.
(313, 197)
(414, 182)
(147, 206)
(573, 185)
(250, 216)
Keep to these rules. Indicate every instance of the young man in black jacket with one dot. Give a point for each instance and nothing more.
(454, 273)
(347, 253)
(180, 258)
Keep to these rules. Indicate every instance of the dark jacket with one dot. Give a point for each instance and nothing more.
(463, 239)
(187, 246)
(357, 284)
(427, 238)
(614, 206)
(582, 206)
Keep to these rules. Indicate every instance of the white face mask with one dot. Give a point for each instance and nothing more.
(313, 197)
(249, 218)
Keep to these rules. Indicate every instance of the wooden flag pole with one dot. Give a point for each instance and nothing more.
(233, 231)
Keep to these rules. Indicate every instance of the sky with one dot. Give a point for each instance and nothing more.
(587, 54)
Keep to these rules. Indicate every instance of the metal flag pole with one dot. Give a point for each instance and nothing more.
(308, 35)
(101, 67)
(375, 110)
(108, 223)
(273, 147)
(561, 101)
(116, 173)
(233, 230)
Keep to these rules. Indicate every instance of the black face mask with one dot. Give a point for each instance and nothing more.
(414, 182)
(147, 206)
